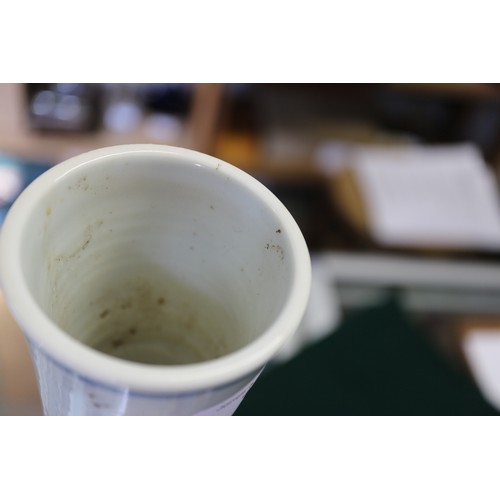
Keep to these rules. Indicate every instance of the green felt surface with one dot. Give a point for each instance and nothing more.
(376, 363)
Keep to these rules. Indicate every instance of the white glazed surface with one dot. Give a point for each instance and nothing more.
(65, 392)
(134, 218)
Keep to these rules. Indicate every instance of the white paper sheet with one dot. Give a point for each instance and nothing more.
(482, 350)
(429, 196)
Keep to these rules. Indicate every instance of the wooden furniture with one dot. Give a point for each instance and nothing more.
(16, 136)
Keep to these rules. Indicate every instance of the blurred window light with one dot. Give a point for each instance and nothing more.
(11, 182)
(69, 107)
(122, 116)
(43, 103)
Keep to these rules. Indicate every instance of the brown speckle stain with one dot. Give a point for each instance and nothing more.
(161, 300)
(132, 331)
(82, 183)
(278, 249)
(104, 313)
(48, 211)
(86, 243)
(117, 343)
(89, 230)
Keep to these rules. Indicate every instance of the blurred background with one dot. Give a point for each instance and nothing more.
(395, 187)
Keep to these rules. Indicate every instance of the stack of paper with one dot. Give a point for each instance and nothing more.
(482, 350)
(443, 196)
